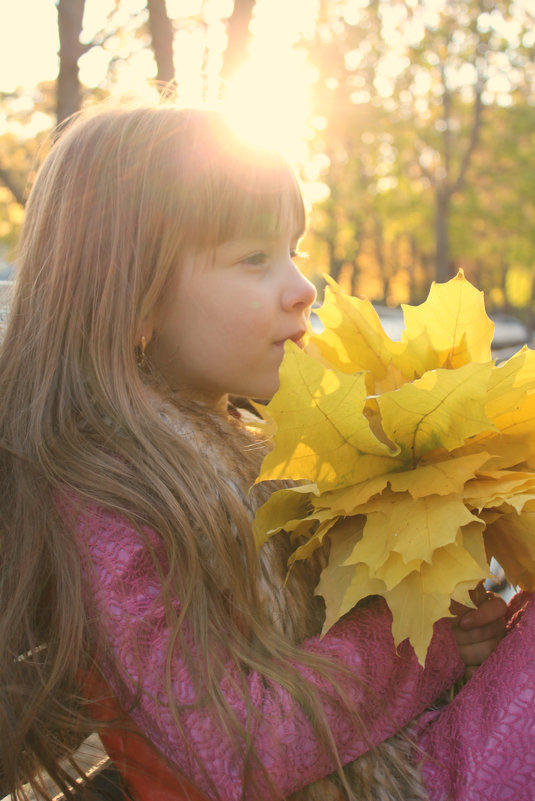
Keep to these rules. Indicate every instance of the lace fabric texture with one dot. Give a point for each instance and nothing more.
(482, 745)
(125, 597)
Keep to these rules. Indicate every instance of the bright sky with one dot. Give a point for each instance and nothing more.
(277, 72)
(29, 37)
(270, 94)
(28, 42)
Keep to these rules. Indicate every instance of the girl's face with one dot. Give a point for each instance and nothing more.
(227, 315)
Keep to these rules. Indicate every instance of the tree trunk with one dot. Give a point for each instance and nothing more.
(335, 264)
(442, 207)
(237, 37)
(70, 16)
(379, 248)
(161, 31)
(8, 180)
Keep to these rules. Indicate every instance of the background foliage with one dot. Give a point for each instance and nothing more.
(420, 145)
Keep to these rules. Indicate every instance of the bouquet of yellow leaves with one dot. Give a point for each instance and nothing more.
(416, 458)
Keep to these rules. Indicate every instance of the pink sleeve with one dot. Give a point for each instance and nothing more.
(125, 595)
(482, 744)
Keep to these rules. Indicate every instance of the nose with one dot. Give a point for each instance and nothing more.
(299, 293)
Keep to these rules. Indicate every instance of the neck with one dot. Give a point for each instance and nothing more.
(218, 403)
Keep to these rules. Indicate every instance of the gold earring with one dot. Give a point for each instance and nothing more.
(140, 359)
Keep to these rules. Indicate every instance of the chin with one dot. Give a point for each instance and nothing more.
(261, 397)
(262, 394)
(261, 389)
(269, 392)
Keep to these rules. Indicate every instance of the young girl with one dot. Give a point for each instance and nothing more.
(156, 277)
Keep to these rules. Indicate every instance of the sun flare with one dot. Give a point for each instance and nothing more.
(268, 102)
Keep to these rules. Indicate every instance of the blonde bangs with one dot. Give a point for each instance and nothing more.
(234, 189)
(255, 201)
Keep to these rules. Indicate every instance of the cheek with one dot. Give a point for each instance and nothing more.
(244, 317)
(255, 329)
(230, 316)
(257, 310)
(253, 306)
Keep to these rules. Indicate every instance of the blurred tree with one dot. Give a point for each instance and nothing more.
(11, 182)
(69, 95)
(404, 88)
(422, 120)
(368, 220)
(497, 247)
(118, 26)
(161, 30)
(238, 37)
(118, 37)
(31, 116)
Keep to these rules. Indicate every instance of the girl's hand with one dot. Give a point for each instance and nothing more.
(478, 631)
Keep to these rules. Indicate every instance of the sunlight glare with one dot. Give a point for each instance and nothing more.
(131, 78)
(268, 99)
(269, 103)
(27, 29)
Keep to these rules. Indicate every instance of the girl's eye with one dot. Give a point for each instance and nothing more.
(298, 255)
(258, 259)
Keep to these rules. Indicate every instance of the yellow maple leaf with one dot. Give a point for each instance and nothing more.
(440, 410)
(321, 426)
(493, 488)
(419, 457)
(412, 528)
(286, 508)
(509, 383)
(326, 523)
(445, 477)
(451, 327)
(424, 596)
(470, 538)
(342, 587)
(353, 339)
(510, 540)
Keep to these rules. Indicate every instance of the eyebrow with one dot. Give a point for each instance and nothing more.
(255, 240)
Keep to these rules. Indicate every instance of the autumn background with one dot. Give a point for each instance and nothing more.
(412, 122)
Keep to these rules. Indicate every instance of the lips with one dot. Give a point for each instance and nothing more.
(297, 338)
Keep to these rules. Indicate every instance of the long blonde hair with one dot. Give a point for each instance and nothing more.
(121, 197)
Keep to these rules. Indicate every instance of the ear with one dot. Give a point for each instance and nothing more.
(146, 330)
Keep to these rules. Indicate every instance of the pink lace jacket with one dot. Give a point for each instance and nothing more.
(126, 604)
(480, 746)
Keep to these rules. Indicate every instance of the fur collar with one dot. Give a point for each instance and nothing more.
(235, 446)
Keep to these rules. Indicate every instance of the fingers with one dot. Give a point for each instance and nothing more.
(458, 609)
(478, 595)
(490, 611)
(474, 654)
(479, 631)
(469, 671)
(489, 631)
(492, 608)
